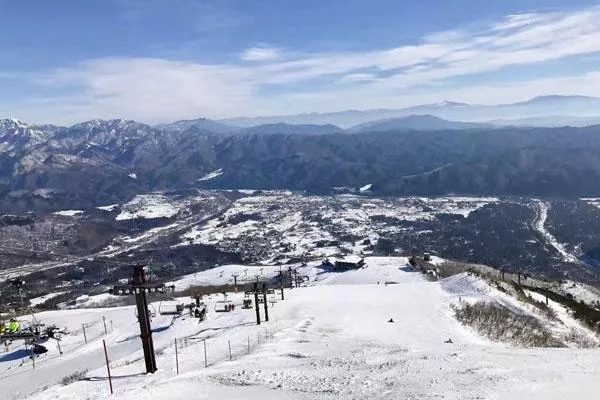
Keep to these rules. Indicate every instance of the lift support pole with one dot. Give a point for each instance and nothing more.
(265, 300)
(256, 303)
(281, 282)
(139, 279)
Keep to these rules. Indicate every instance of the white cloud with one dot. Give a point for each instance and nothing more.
(154, 90)
(352, 78)
(260, 54)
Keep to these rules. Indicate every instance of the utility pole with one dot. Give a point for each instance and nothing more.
(257, 307)
(265, 300)
(290, 276)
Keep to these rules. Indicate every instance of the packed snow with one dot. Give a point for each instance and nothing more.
(109, 207)
(42, 299)
(328, 340)
(366, 188)
(542, 216)
(70, 213)
(154, 205)
(211, 175)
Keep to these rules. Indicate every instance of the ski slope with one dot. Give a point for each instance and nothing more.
(328, 340)
(539, 224)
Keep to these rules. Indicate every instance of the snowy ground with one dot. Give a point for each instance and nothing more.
(290, 225)
(539, 224)
(329, 340)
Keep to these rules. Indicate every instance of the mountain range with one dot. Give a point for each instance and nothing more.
(98, 162)
(541, 108)
(104, 162)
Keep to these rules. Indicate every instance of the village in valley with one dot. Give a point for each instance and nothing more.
(201, 288)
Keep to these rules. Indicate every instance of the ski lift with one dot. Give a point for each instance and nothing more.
(170, 307)
(247, 302)
(151, 311)
(224, 306)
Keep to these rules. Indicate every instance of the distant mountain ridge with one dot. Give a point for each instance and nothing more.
(541, 106)
(199, 123)
(105, 162)
(425, 122)
(288, 129)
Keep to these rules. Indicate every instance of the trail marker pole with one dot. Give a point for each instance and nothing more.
(84, 335)
(32, 357)
(248, 344)
(59, 349)
(176, 357)
(107, 366)
(205, 358)
(229, 343)
(104, 322)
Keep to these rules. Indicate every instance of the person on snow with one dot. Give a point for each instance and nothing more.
(39, 349)
(14, 326)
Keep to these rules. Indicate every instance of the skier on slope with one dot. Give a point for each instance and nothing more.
(14, 327)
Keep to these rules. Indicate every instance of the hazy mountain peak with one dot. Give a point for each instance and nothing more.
(201, 123)
(419, 122)
(292, 129)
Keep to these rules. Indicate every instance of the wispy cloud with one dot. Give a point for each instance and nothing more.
(260, 53)
(158, 90)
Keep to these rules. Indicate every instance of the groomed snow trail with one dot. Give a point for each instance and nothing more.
(330, 340)
(539, 224)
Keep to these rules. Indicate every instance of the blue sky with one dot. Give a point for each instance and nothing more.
(64, 61)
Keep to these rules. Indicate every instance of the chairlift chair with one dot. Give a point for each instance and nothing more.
(224, 306)
(151, 311)
(247, 303)
(170, 307)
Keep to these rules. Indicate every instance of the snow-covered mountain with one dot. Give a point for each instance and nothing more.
(16, 135)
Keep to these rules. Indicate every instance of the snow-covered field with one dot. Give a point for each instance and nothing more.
(290, 225)
(329, 340)
(148, 206)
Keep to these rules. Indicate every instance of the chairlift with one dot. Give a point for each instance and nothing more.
(247, 303)
(224, 306)
(151, 311)
(170, 307)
